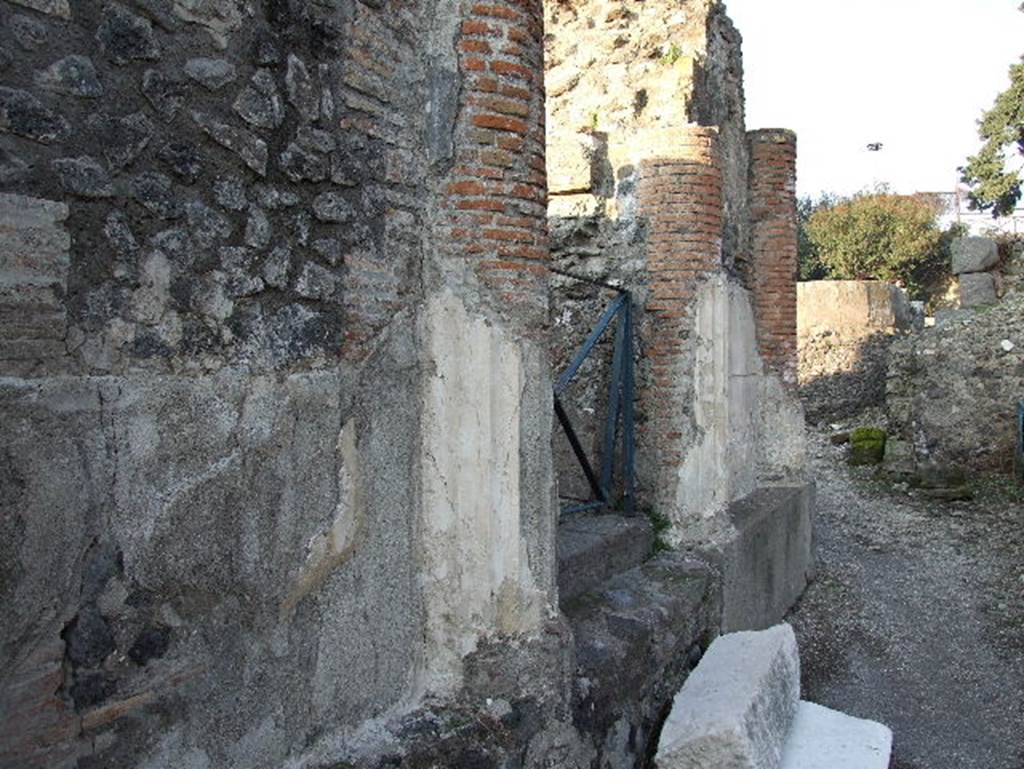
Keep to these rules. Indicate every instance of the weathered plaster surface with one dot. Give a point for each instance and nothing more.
(242, 529)
(746, 428)
(477, 578)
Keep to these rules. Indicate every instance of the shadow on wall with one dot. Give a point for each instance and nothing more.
(841, 377)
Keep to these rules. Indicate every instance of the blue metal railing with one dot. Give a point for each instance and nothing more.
(619, 419)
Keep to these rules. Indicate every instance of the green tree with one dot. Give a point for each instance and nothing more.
(879, 236)
(811, 267)
(995, 185)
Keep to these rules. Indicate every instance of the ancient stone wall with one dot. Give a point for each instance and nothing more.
(953, 390)
(277, 482)
(845, 329)
(229, 176)
(613, 72)
(653, 189)
(620, 79)
(259, 262)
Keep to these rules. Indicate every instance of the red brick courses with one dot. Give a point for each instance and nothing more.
(680, 197)
(773, 264)
(495, 197)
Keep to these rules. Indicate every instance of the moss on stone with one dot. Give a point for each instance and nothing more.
(672, 55)
(867, 446)
(867, 434)
(660, 524)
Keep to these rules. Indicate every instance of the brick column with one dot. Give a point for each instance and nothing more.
(773, 263)
(487, 520)
(680, 197)
(497, 192)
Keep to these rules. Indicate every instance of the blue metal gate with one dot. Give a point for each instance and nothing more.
(619, 438)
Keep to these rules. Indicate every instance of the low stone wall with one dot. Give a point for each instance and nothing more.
(953, 389)
(844, 330)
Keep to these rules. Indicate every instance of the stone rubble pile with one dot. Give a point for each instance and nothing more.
(952, 389)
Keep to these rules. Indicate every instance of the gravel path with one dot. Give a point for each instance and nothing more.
(916, 618)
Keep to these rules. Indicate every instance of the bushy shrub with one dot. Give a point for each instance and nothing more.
(879, 236)
(811, 267)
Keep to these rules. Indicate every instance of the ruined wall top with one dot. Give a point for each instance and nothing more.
(619, 75)
(617, 65)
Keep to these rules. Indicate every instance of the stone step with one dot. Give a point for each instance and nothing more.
(637, 638)
(594, 548)
(821, 738)
(736, 709)
(770, 560)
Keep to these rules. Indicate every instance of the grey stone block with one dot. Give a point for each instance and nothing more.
(123, 139)
(592, 548)
(126, 37)
(637, 638)
(302, 91)
(155, 192)
(166, 93)
(332, 207)
(22, 114)
(74, 75)
(737, 707)
(770, 560)
(977, 289)
(83, 176)
(316, 282)
(827, 739)
(917, 315)
(898, 462)
(212, 74)
(950, 316)
(259, 103)
(250, 148)
(974, 254)
(31, 34)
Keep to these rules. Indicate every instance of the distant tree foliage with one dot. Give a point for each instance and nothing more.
(811, 267)
(875, 236)
(995, 184)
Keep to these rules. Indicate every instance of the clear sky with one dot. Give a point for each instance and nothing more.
(912, 74)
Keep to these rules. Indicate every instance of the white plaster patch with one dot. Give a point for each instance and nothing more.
(330, 548)
(720, 465)
(476, 576)
(781, 436)
(749, 428)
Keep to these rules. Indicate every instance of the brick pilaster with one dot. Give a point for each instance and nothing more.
(496, 194)
(773, 264)
(680, 197)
